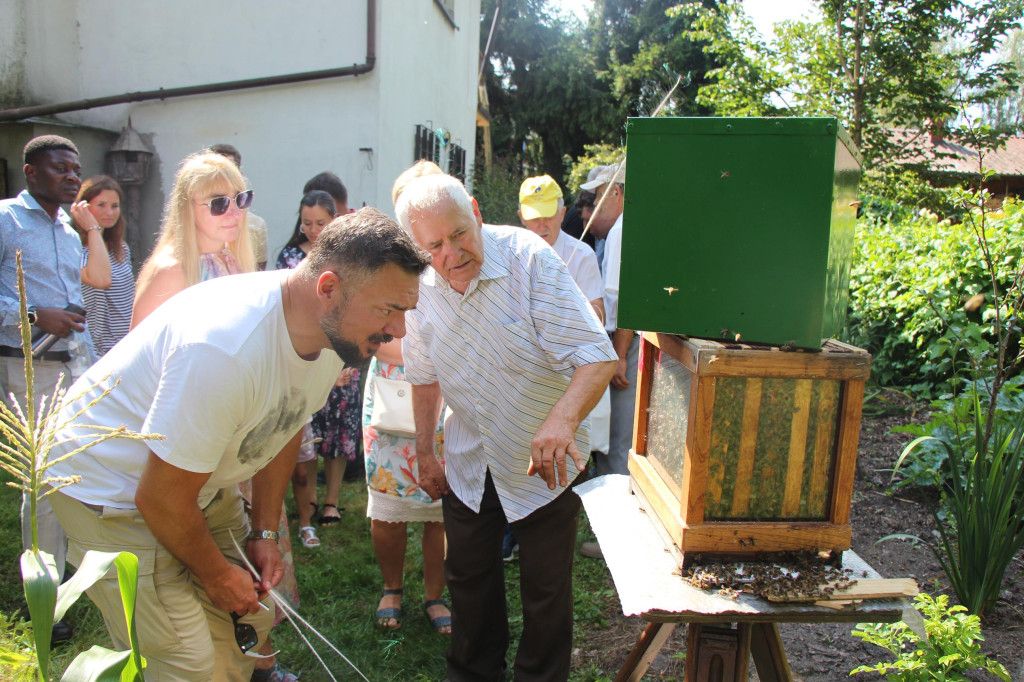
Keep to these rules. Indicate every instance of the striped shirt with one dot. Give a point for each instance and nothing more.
(108, 312)
(51, 256)
(503, 355)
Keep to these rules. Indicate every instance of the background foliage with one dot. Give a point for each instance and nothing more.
(912, 274)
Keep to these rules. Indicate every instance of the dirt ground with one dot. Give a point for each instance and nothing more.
(823, 652)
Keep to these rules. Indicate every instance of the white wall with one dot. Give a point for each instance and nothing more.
(425, 71)
(428, 75)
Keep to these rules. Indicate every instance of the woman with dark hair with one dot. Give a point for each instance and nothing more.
(108, 283)
(335, 428)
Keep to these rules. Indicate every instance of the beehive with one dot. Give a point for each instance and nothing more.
(738, 226)
(747, 450)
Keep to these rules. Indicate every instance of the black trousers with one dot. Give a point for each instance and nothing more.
(476, 581)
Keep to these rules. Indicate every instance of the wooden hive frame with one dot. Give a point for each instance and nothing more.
(679, 503)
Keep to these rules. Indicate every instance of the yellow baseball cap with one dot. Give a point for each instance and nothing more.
(538, 197)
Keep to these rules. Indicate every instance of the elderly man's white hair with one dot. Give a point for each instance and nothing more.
(431, 193)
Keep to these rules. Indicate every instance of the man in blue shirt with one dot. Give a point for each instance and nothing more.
(51, 257)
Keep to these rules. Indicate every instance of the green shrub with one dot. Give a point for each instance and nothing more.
(910, 280)
(950, 650)
(497, 190)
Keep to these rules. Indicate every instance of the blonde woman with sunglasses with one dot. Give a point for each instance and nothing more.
(204, 234)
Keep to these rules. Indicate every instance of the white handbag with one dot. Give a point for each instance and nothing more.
(392, 407)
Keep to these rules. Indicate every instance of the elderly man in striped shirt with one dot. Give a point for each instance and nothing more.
(503, 333)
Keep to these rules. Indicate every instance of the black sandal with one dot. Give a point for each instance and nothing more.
(325, 520)
(389, 614)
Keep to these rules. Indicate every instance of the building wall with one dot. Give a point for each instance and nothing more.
(419, 56)
(91, 48)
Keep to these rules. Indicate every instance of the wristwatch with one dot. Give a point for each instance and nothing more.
(32, 314)
(263, 535)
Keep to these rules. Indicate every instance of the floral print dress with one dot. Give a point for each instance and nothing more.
(391, 471)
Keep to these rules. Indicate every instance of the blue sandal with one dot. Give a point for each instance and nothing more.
(392, 613)
(440, 621)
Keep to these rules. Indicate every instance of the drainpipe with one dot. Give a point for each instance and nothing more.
(162, 93)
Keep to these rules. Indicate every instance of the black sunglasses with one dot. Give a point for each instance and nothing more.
(220, 205)
(245, 633)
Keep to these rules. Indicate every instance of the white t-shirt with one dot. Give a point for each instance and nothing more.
(214, 370)
(612, 261)
(582, 264)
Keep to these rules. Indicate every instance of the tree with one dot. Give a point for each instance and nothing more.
(1006, 113)
(875, 64)
(555, 85)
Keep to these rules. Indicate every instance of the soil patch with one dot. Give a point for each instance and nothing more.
(821, 652)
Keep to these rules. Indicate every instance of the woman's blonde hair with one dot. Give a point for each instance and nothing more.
(200, 175)
(417, 170)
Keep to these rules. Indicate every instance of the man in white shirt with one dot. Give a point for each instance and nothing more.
(610, 184)
(509, 340)
(228, 371)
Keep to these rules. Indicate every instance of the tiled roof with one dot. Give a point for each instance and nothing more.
(947, 155)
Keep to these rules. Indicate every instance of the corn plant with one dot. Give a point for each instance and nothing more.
(950, 650)
(27, 437)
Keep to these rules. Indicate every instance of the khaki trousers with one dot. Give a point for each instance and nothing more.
(181, 633)
(12, 380)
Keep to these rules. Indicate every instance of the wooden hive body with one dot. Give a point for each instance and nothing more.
(741, 450)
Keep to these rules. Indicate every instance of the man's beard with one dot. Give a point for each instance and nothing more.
(347, 350)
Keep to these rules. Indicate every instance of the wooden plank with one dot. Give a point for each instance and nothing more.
(644, 375)
(768, 653)
(681, 349)
(665, 505)
(797, 448)
(652, 639)
(723, 537)
(865, 588)
(741, 363)
(698, 444)
(748, 441)
(839, 346)
(824, 442)
(846, 451)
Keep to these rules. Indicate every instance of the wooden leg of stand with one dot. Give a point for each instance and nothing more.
(769, 656)
(646, 648)
(717, 654)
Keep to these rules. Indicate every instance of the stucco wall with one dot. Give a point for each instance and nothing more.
(425, 71)
(422, 56)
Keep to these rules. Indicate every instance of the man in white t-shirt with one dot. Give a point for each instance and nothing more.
(227, 371)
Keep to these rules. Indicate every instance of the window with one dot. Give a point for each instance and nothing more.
(436, 146)
(448, 8)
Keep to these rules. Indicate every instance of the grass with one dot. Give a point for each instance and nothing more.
(339, 585)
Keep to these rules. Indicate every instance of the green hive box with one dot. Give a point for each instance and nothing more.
(738, 226)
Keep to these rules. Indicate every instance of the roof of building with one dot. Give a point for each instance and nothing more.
(949, 156)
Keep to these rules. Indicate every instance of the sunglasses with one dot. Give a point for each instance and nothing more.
(220, 205)
(246, 637)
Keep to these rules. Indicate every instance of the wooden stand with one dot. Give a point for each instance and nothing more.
(746, 451)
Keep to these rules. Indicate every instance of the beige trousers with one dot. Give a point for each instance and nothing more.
(181, 633)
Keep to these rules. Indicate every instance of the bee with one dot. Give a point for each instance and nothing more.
(671, 290)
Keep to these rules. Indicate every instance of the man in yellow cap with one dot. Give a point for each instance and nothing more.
(541, 209)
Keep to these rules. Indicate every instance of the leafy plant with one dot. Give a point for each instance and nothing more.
(909, 284)
(28, 437)
(951, 422)
(950, 649)
(983, 500)
(496, 190)
(16, 656)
